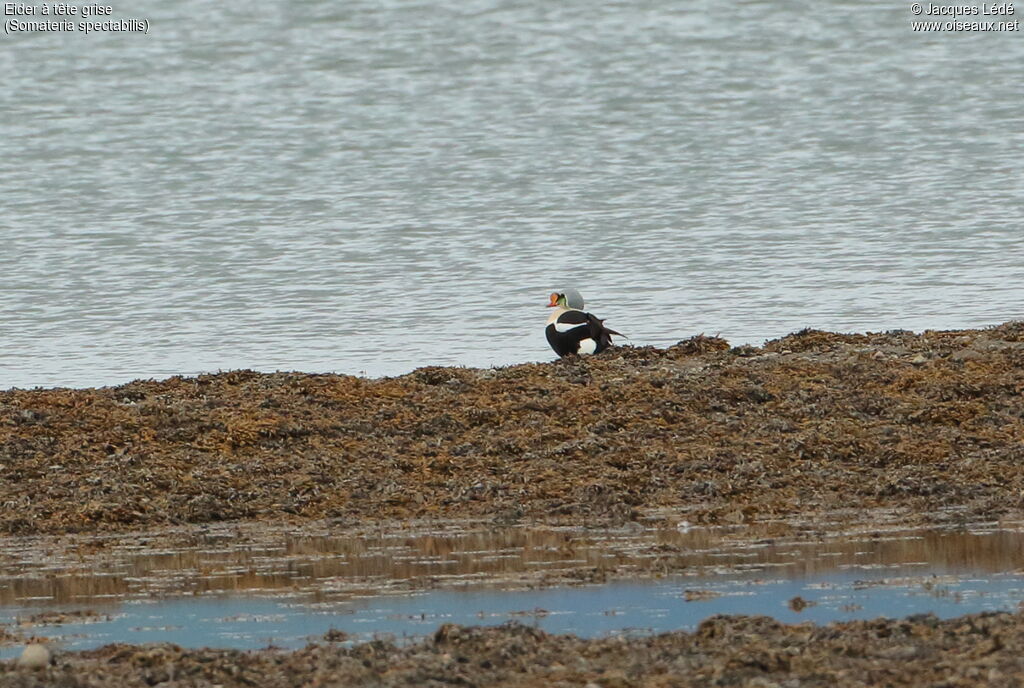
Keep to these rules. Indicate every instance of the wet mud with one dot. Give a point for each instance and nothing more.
(66, 577)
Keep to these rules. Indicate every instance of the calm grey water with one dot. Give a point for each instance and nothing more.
(367, 187)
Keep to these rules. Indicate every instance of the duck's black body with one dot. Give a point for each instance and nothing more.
(577, 332)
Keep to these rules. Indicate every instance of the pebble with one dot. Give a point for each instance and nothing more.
(34, 656)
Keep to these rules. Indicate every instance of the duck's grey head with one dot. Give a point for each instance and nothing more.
(567, 298)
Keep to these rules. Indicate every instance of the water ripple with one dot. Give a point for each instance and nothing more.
(387, 185)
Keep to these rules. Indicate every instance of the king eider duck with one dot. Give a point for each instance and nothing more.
(571, 330)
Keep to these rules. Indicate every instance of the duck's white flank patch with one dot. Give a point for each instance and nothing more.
(588, 346)
(565, 327)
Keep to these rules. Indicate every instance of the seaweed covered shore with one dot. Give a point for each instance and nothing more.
(980, 649)
(929, 424)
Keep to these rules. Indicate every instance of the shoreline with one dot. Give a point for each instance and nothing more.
(931, 424)
(734, 650)
(809, 436)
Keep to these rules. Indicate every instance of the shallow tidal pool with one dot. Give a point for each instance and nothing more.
(289, 589)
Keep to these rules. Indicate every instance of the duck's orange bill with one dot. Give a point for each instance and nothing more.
(554, 300)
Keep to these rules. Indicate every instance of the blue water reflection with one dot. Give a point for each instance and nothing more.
(653, 606)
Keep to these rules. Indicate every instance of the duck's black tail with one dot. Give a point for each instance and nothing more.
(601, 334)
